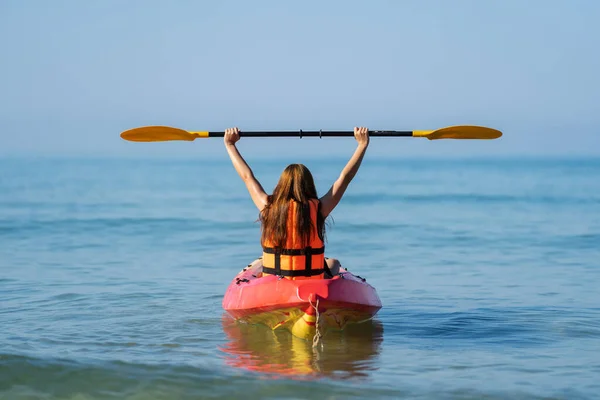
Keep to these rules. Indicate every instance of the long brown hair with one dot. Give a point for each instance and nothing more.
(295, 183)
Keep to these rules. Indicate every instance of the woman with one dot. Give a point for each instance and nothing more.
(292, 218)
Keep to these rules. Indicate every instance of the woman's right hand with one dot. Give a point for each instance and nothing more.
(361, 135)
(231, 136)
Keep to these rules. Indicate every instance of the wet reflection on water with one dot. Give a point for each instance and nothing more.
(352, 353)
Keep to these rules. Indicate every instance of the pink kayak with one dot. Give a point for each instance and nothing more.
(304, 307)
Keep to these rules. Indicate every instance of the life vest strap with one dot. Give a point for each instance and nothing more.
(307, 251)
(291, 273)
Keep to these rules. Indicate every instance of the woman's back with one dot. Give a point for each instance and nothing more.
(295, 253)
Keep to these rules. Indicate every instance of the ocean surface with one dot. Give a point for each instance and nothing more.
(112, 273)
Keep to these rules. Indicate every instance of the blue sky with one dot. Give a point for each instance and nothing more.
(74, 74)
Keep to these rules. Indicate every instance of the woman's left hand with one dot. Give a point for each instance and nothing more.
(232, 135)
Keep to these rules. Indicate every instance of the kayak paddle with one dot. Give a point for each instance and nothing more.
(166, 133)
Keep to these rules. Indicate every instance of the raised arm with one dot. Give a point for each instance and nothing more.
(331, 199)
(259, 197)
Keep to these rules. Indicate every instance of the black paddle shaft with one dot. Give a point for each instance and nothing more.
(319, 134)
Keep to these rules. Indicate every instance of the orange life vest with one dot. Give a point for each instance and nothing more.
(296, 261)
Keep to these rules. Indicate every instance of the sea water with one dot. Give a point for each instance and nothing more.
(112, 273)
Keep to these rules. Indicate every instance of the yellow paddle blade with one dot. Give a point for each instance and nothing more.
(160, 134)
(460, 132)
